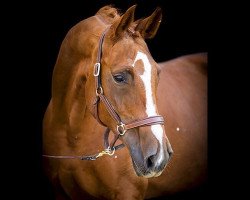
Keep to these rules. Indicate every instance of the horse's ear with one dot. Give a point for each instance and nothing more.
(148, 27)
(121, 25)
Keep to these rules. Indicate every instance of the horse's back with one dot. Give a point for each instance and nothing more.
(182, 100)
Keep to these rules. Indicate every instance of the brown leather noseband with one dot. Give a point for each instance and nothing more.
(121, 128)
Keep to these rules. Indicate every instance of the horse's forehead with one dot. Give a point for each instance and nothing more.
(126, 48)
(125, 53)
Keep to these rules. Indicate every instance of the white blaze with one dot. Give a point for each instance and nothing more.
(150, 104)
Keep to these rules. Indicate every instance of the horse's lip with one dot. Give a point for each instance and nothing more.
(146, 174)
(142, 172)
(136, 169)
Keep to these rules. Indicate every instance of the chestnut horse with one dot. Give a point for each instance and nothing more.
(105, 80)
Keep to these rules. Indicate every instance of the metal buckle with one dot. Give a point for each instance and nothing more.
(121, 129)
(97, 68)
(107, 151)
(99, 91)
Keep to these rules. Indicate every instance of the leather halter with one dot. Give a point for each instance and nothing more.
(121, 128)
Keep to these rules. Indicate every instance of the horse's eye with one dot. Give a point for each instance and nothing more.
(120, 78)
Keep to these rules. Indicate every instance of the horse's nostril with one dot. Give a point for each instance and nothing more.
(150, 162)
(170, 154)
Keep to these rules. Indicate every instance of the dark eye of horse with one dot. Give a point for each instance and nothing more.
(120, 78)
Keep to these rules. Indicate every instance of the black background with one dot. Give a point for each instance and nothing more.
(32, 34)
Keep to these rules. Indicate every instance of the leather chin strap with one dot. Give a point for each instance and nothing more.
(121, 127)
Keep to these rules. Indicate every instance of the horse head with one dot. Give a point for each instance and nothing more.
(127, 79)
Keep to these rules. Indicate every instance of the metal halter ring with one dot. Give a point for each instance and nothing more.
(121, 128)
(99, 91)
(97, 68)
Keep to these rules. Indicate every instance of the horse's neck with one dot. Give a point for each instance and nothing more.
(70, 99)
(73, 66)
(72, 69)
(82, 128)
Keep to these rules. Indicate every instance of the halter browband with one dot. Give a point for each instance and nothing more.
(121, 127)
